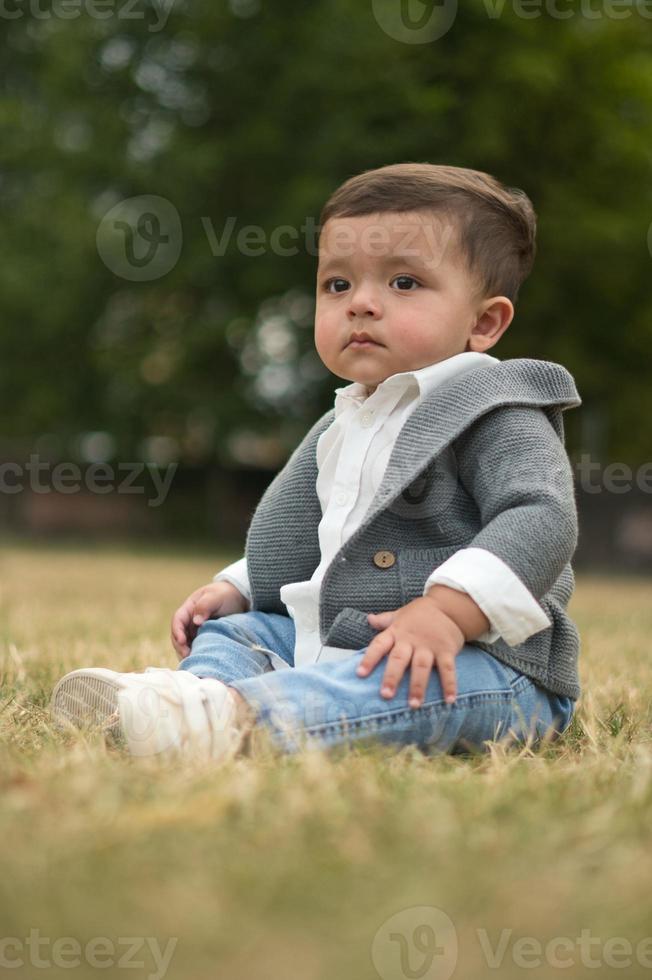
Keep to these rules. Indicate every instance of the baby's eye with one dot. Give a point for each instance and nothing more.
(329, 283)
(404, 279)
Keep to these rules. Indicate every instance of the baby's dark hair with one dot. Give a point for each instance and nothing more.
(496, 225)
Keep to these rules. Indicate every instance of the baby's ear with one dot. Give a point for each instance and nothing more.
(494, 317)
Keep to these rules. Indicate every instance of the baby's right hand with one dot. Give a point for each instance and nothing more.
(208, 602)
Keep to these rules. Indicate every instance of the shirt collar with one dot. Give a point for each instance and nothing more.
(422, 381)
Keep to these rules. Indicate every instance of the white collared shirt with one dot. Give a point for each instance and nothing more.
(352, 455)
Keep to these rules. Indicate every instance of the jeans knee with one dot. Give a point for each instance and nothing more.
(231, 626)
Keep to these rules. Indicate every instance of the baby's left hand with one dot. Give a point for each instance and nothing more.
(419, 633)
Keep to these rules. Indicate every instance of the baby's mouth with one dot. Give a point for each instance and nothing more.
(362, 340)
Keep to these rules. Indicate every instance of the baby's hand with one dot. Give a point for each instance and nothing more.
(419, 633)
(208, 602)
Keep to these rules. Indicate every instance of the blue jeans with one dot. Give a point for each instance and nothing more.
(326, 704)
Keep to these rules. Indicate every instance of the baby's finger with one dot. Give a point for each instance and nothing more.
(447, 675)
(396, 666)
(420, 671)
(377, 649)
(184, 612)
(177, 629)
(178, 649)
(203, 608)
(180, 643)
(381, 620)
(180, 623)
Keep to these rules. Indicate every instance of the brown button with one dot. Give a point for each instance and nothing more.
(384, 559)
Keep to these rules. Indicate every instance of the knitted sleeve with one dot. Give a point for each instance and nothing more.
(515, 467)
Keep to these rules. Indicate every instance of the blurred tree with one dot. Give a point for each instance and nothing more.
(250, 114)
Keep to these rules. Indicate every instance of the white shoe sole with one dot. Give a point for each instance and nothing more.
(87, 698)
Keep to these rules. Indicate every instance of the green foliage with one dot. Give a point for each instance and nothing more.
(257, 112)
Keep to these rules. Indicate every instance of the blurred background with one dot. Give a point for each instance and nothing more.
(162, 170)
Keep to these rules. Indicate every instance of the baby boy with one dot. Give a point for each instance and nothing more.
(407, 573)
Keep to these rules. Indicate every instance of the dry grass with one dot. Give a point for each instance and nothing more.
(294, 867)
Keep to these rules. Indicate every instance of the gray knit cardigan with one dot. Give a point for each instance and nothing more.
(481, 463)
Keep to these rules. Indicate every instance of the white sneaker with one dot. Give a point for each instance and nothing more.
(160, 711)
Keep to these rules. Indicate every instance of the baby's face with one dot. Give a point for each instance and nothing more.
(400, 279)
